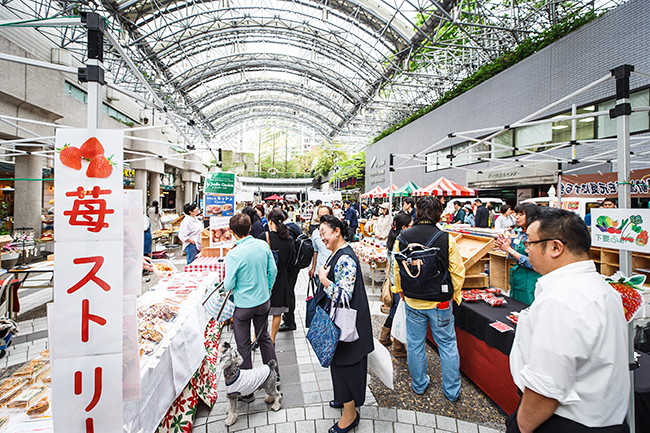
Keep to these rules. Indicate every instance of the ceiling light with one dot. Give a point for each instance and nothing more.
(586, 119)
(590, 108)
(559, 127)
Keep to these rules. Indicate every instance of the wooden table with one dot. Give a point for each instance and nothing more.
(38, 268)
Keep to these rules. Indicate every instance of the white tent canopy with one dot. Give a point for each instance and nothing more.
(325, 196)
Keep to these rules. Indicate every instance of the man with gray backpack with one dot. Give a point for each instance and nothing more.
(430, 272)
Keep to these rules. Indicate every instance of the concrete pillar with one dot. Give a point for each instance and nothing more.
(154, 187)
(141, 184)
(189, 195)
(29, 194)
(180, 198)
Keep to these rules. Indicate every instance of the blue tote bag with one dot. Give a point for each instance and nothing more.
(323, 335)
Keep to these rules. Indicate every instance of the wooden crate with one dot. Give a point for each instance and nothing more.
(500, 266)
(213, 252)
(473, 250)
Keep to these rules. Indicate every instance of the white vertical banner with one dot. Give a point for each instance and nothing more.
(133, 252)
(87, 337)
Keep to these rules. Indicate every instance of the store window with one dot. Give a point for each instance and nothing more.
(436, 160)
(585, 128)
(529, 138)
(82, 96)
(638, 121)
(76, 93)
(503, 144)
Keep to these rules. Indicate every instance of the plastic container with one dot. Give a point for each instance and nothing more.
(162, 273)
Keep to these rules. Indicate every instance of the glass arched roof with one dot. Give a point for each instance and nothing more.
(342, 69)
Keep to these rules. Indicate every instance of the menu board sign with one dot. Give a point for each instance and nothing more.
(220, 183)
(219, 205)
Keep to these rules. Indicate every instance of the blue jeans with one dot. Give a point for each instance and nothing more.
(444, 334)
(191, 252)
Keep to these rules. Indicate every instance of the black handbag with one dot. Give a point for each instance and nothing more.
(311, 302)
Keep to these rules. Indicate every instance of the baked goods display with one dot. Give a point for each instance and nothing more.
(370, 251)
(26, 394)
(158, 308)
(221, 234)
(163, 267)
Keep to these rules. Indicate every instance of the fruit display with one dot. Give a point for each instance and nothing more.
(630, 291)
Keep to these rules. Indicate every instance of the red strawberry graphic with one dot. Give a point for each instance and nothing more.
(100, 166)
(630, 295)
(91, 148)
(70, 156)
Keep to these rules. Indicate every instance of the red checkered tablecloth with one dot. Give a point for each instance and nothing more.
(209, 264)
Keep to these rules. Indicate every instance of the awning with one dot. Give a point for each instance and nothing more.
(274, 197)
(384, 192)
(372, 193)
(406, 190)
(444, 186)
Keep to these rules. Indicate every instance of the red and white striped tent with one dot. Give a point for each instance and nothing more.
(383, 193)
(444, 186)
(372, 193)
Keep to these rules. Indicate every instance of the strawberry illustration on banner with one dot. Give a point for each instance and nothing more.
(630, 291)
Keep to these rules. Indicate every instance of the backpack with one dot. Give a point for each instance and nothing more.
(304, 249)
(421, 271)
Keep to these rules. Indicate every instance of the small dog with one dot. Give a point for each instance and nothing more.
(245, 382)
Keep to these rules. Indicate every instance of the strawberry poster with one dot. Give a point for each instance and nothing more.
(621, 229)
(87, 314)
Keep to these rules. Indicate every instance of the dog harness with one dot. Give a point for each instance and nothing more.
(248, 381)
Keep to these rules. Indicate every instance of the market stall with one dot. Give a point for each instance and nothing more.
(373, 253)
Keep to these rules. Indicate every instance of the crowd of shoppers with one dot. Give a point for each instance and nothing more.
(564, 387)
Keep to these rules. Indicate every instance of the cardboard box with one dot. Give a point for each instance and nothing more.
(205, 238)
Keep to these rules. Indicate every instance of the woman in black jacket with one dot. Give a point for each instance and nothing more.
(256, 224)
(341, 277)
(281, 243)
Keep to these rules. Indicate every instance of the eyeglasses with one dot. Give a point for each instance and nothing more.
(529, 243)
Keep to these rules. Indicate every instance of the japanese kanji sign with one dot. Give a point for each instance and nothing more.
(87, 315)
(621, 229)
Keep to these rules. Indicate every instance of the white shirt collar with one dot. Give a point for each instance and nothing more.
(550, 280)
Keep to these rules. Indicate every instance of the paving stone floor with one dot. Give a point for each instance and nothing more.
(307, 390)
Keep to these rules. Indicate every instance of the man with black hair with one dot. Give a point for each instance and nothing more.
(569, 357)
(352, 220)
(482, 216)
(608, 203)
(422, 312)
(409, 207)
(459, 214)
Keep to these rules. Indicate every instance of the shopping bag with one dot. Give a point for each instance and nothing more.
(398, 331)
(380, 362)
(323, 335)
(386, 296)
(345, 318)
(219, 305)
(311, 302)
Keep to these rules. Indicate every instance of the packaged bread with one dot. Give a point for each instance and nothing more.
(26, 397)
(4, 420)
(39, 408)
(11, 393)
(29, 371)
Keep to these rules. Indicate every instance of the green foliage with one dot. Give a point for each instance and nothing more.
(352, 167)
(526, 48)
(325, 162)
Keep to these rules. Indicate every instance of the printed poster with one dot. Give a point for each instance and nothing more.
(220, 234)
(621, 229)
(219, 205)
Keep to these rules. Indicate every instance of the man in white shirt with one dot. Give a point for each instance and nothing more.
(569, 356)
(321, 253)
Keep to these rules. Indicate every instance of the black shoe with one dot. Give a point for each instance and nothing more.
(246, 398)
(284, 328)
(255, 345)
(335, 404)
